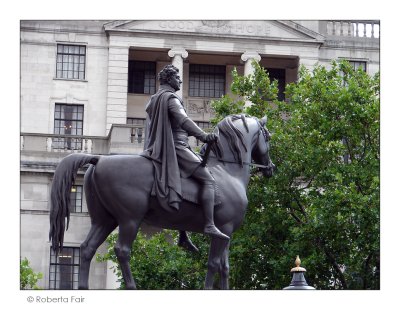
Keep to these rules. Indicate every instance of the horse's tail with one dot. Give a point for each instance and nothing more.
(64, 177)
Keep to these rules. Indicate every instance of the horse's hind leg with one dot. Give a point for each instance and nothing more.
(102, 225)
(97, 235)
(126, 236)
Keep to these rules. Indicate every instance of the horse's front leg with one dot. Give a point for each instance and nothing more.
(215, 261)
(224, 270)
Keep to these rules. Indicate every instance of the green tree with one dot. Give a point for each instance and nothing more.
(158, 263)
(323, 202)
(28, 278)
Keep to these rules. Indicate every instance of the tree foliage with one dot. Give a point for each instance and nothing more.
(157, 263)
(321, 204)
(28, 278)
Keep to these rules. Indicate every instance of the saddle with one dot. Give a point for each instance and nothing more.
(190, 191)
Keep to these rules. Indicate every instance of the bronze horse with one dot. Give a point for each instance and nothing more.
(118, 193)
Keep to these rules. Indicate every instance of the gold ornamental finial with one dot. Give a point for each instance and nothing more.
(297, 263)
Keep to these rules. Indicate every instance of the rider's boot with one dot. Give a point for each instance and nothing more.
(207, 201)
(186, 243)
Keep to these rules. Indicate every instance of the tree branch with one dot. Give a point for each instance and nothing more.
(303, 210)
(366, 265)
(347, 144)
(334, 263)
(298, 220)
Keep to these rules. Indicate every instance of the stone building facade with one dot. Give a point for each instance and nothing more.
(84, 86)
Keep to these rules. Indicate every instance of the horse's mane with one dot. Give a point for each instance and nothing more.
(233, 136)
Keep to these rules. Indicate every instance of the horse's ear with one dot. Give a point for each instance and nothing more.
(263, 121)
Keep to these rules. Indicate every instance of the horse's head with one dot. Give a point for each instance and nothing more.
(244, 139)
(260, 150)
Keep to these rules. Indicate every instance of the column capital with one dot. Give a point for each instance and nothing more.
(250, 55)
(178, 51)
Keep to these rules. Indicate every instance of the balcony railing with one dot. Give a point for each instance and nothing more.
(121, 139)
(35, 142)
(353, 28)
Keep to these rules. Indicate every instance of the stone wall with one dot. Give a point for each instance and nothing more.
(40, 89)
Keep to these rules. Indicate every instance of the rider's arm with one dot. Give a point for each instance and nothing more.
(178, 114)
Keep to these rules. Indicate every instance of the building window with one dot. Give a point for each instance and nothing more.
(68, 120)
(206, 126)
(280, 76)
(135, 121)
(137, 131)
(357, 64)
(141, 77)
(206, 81)
(76, 199)
(64, 269)
(71, 60)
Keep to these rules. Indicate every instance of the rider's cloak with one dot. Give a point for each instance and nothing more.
(160, 148)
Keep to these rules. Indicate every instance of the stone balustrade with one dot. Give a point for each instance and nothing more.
(353, 29)
(121, 139)
(36, 142)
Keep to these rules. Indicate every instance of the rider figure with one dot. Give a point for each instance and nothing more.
(166, 143)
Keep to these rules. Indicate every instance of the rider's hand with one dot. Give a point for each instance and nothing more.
(211, 137)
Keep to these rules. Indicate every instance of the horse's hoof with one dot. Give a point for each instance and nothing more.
(130, 287)
(188, 245)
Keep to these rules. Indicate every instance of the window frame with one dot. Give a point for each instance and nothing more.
(205, 125)
(149, 78)
(74, 206)
(60, 122)
(203, 75)
(56, 268)
(278, 74)
(354, 62)
(65, 63)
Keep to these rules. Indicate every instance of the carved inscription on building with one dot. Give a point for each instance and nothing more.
(223, 27)
(200, 108)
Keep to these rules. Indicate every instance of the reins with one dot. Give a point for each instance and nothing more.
(238, 163)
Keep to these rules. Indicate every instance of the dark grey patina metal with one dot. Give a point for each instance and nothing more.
(118, 190)
(168, 128)
(298, 280)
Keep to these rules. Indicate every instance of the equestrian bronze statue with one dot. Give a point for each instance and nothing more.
(125, 190)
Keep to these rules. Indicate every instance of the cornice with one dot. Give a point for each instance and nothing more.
(304, 30)
(306, 35)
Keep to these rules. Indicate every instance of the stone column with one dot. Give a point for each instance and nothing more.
(178, 55)
(117, 87)
(248, 58)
